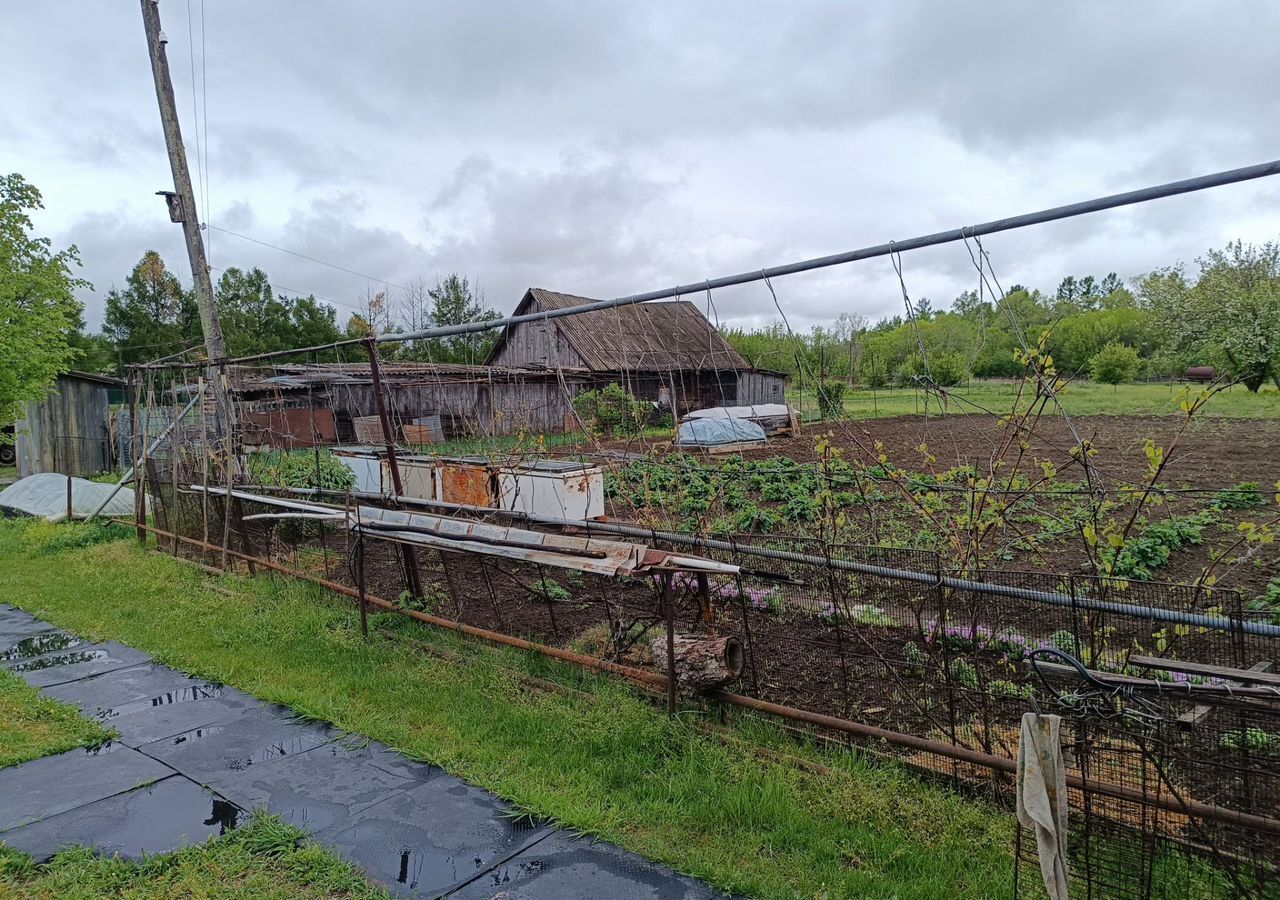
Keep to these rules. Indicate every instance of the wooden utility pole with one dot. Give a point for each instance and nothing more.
(182, 201)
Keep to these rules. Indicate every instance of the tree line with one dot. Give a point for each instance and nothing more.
(1224, 313)
(154, 315)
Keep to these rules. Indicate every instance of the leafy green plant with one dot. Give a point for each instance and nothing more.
(1252, 740)
(1245, 495)
(831, 399)
(915, 658)
(1063, 641)
(963, 673)
(1151, 548)
(548, 590)
(1010, 690)
(611, 410)
(299, 469)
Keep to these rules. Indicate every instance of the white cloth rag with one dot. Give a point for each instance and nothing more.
(1042, 797)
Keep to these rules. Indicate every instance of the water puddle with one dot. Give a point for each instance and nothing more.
(61, 659)
(168, 698)
(279, 749)
(196, 734)
(40, 645)
(223, 814)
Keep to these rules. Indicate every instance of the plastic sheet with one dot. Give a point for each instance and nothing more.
(45, 495)
(713, 432)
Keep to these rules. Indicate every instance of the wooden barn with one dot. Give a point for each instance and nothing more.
(69, 431)
(662, 351)
(306, 405)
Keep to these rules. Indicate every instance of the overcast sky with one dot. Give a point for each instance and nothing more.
(610, 148)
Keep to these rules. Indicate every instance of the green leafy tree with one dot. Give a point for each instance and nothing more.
(39, 312)
(1229, 316)
(254, 319)
(1115, 364)
(454, 301)
(153, 316)
(314, 323)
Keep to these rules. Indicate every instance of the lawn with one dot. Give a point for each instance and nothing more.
(263, 859)
(32, 725)
(610, 764)
(1080, 398)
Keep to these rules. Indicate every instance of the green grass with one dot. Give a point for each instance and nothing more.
(8, 473)
(263, 859)
(1081, 398)
(613, 765)
(32, 725)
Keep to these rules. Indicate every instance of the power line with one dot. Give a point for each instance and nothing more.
(1112, 201)
(253, 240)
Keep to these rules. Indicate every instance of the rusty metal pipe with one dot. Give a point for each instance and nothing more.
(857, 729)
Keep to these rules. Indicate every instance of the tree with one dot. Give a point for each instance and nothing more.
(38, 308)
(1230, 315)
(313, 323)
(1114, 364)
(1110, 284)
(254, 320)
(153, 316)
(454, 301)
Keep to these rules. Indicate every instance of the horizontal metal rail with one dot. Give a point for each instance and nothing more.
(990, 761)
(1111, 201)
(929, 579)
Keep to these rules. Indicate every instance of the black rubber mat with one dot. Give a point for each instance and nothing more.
(158, 818)
(147, 703)
(83, 661)
(427, 841)
(52, 785)
(319, 789)
(562, 867)
(259, 737)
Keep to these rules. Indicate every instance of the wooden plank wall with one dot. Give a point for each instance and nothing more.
(68, 432)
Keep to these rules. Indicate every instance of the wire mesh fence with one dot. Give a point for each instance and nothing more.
(1172, 740)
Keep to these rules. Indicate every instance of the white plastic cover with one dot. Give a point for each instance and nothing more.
(712, 432)
(760, 411)
(45, 495)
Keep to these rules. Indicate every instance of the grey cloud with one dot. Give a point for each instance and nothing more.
(607, 149)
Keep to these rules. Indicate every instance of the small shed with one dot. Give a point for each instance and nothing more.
(69, 431)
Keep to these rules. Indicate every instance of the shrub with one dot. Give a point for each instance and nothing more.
(1114, 364)
(611, 410)
(944, 369)
(297, 469)
(831, 399)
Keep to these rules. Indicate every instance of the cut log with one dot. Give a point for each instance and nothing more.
(702, 664)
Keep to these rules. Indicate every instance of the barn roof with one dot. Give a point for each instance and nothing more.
(656, 336)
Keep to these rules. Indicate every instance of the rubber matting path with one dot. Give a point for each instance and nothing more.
(194, 757)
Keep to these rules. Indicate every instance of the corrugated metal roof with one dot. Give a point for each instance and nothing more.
(655, 337)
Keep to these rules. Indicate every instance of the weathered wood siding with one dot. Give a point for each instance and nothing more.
(755, 388)
(500, 406)
(538, 344)
(69, 431)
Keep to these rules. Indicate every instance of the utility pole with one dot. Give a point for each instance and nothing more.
(182, 201)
